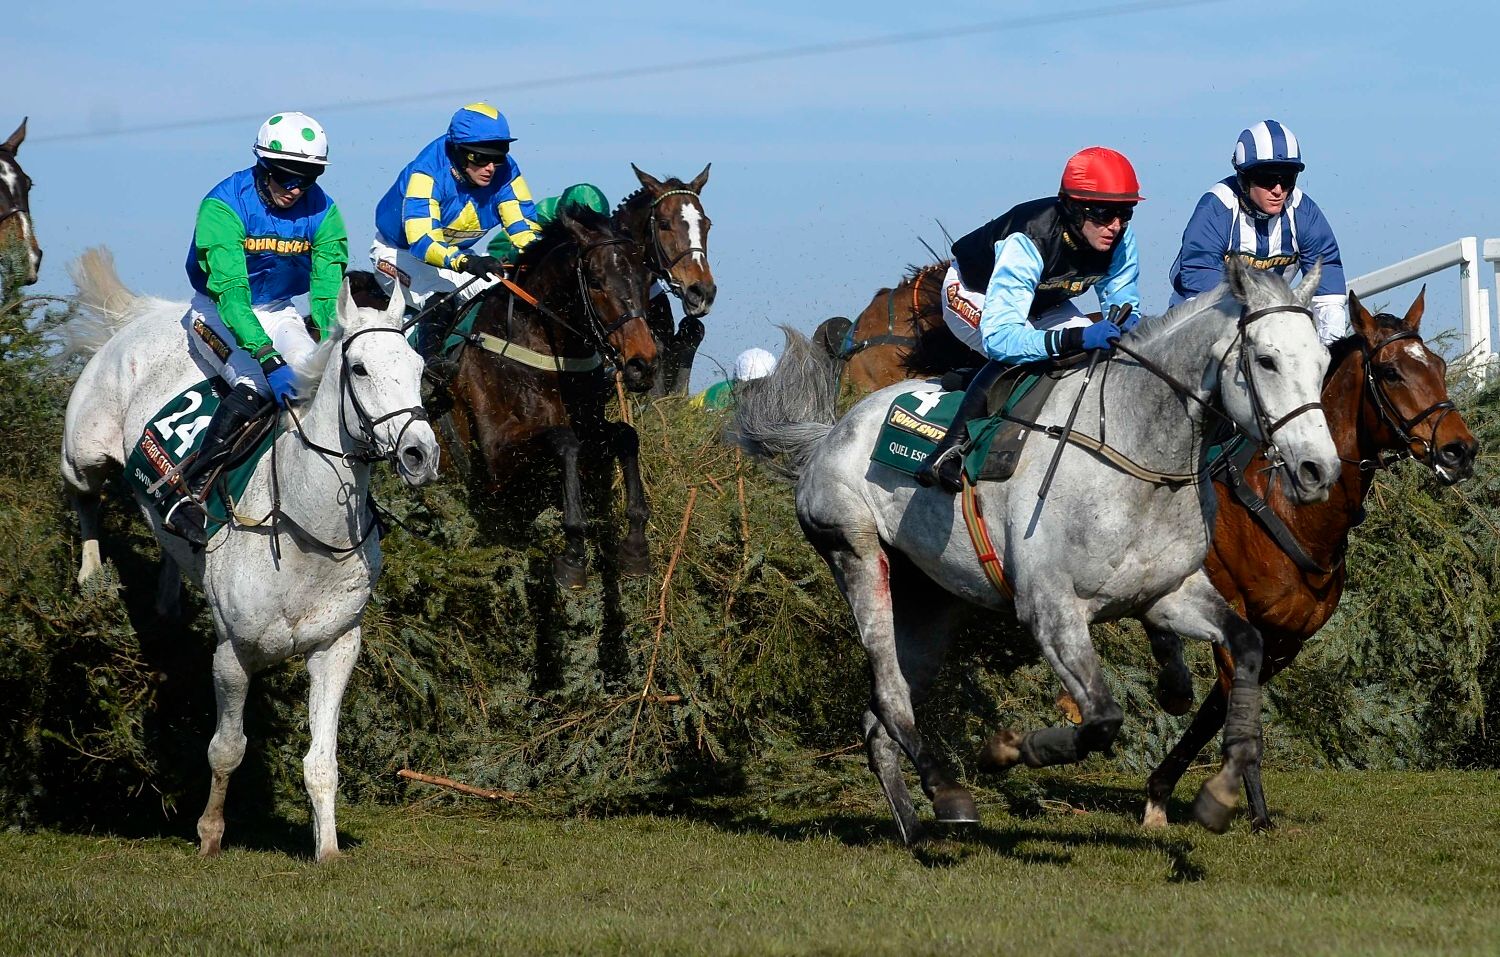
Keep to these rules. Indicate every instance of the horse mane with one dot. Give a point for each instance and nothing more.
(936, 349)
(1151, 327)
(555, 235)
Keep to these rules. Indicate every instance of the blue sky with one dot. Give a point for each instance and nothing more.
(826, 169)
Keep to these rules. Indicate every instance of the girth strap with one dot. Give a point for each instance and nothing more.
(515, 352)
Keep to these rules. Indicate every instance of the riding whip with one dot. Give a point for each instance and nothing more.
(1117, 315)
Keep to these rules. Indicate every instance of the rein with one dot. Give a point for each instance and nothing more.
(659, 265)
(368, 455)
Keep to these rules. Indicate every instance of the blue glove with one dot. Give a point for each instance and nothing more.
(283, 383)
(1131, 321)
(1101, 335)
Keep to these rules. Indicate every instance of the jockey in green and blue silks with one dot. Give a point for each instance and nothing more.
(585, 195)
(263, 236)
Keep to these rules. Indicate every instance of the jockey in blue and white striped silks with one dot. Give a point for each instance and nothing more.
(1261, 214)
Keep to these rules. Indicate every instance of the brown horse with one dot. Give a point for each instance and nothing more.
(666, 218)
(537, 371)
(875, 347)
(1386, 398)
(16, 230)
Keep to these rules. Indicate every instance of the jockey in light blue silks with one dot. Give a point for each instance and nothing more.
(462, 185)
(1260, 213)
(263, 236)
(1030, 263)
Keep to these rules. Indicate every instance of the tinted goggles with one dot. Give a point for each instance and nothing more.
(484, 157)
(1272, 178)
(1105, 213)
(290, 176)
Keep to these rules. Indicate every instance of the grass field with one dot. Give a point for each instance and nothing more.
(1363, 863)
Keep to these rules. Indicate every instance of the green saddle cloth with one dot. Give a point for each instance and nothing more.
(917, 421)
(172, 435)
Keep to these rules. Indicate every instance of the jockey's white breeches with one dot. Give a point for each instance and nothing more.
(419, 279)
(962, 308)
(217, 346)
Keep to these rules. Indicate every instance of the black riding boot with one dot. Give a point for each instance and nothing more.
(433, 330)
(187, 517)
(945, 465)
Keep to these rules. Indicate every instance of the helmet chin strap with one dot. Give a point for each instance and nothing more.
(1248, 204)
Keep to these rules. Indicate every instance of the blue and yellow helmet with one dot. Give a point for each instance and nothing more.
(479, 123)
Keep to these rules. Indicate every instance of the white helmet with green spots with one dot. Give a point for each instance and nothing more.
(295, 137)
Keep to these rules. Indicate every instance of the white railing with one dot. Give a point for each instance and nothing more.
(1474, 296)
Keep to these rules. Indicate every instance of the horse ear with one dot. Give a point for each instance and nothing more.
(1236, 274)
(395, 310)
(647, 180)
(14, 143)
(346, 306)
(1308, 287)
(1361, 320)
(1413, 320)
(700, 181)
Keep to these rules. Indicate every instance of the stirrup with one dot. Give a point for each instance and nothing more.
(191, 531)
(938, 470)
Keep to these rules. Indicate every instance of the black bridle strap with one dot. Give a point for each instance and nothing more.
(1386, 409)
(661, 266)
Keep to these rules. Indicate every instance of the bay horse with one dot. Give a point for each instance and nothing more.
(294, 584)
(874, 347)
(537, 371)
(667, 219)
(1106, 543)
(1386, 398)
(16, 229)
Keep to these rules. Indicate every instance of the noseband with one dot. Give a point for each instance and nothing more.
(660, 265)
(365, 437)
(1269, 428)
(1387, 411)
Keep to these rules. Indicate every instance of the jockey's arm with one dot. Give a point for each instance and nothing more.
(330, 257)
(1007, 334)
(1315, 241)
(1122, 284)
(220, 239)
(1205, 241)
(517, 211)
(420, 219)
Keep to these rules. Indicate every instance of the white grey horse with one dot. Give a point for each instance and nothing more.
(1102, 545)
(304, 590)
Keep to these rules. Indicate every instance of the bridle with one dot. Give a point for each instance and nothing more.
(659, 264)
(598, 332)
(1392, 418)
(367, 448)
(1266, 425)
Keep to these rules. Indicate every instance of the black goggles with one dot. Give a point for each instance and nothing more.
(290, 176)
(484, 157)
(1272, 178)
(1105, 213)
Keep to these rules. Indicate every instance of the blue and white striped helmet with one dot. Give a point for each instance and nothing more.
(1267, 142)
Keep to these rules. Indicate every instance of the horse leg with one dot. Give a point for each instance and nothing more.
(87, 508)
(1197, 610)
(1255, 795)
(227, 748)
(866, 582)
(1163, 781)
(571, 567)
(634, 553)
(1174, 683)
(1063, 634)
(328, 669)
(681, 352)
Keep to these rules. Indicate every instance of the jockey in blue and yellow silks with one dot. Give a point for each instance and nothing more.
(263, 236)
(462, 185)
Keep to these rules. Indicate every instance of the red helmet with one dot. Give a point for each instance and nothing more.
(1099, 174)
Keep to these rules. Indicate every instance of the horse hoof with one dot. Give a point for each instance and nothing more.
(634, 564)
(1002, 751)
(1155, 818)
(570, 577)
(209, 849)
(1174, 694)
(329, 856)
(1262, 825)
(1211, 812)
(954, 805)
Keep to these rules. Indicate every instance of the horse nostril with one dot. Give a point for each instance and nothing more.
(1312, 475)
(1455, 454)
(413, 458)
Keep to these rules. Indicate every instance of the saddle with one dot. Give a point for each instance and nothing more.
(1013, 404)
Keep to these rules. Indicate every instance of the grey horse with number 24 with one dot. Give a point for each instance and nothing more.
(1102, 544)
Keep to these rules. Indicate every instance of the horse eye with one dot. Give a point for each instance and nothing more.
(358, 368)
(1266, 362)
(663, 225)
(1389, 373)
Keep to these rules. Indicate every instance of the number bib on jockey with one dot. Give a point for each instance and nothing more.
(172, 435)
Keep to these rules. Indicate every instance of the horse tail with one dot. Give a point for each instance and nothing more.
(782, 417)
(105, 304)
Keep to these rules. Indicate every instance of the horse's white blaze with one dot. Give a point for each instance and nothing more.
(693, 217)
(8, 177)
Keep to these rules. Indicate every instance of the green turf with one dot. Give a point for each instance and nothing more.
(1364, 863)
